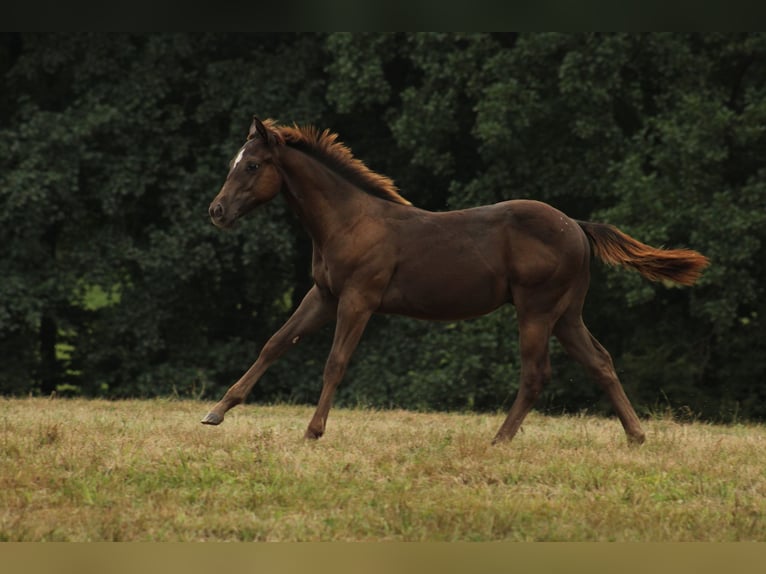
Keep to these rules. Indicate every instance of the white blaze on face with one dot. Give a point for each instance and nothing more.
(238, 158)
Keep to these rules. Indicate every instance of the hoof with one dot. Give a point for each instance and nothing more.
(212, 418)
(312, 435)
(636, 440)
(500, 438)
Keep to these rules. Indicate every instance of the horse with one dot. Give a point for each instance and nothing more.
(374, 252)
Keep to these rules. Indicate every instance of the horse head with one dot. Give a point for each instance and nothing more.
(253, 177)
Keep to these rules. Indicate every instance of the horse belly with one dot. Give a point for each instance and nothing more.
(444, 292)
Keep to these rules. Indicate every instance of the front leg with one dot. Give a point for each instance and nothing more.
(314, 311)
(353, 315)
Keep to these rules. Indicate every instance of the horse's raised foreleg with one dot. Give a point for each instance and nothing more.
(353, 315)
(535, 372)
(585, 349)
(313, 312)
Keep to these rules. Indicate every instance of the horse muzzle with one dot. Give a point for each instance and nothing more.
(219, 216)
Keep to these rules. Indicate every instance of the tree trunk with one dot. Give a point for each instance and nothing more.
(49, 367)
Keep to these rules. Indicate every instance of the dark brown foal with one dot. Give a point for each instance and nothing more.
(375, 253)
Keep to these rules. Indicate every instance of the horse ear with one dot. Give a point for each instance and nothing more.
(258, 128)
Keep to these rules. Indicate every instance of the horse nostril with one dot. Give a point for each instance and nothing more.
(216, 211)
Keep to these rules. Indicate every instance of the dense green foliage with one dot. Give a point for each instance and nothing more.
(114, 283)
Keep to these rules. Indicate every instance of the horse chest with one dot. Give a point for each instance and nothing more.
(330, 276)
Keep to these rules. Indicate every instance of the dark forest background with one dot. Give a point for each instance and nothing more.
(114, 283)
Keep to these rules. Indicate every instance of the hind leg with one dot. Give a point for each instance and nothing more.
(535, 372)
(585, 349)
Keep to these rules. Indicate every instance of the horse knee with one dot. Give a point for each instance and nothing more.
(270, 351)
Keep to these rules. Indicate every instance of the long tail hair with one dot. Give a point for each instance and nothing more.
(682, 266)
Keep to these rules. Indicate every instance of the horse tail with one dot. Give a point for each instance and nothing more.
(612, 246)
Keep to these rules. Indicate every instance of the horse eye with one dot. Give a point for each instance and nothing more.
(252, 166)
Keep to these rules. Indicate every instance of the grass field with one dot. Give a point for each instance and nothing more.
(76, 470)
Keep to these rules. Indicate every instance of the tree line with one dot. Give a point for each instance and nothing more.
(114, 283)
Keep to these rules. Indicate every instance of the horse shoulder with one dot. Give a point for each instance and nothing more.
(364, 254)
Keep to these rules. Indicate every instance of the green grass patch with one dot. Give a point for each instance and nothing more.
(79, 470)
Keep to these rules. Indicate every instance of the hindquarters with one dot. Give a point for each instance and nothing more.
(548, 259)
(552, 276)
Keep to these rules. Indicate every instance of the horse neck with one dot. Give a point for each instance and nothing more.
(323, 201)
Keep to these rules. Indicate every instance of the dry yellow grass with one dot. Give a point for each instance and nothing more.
(148, 471)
